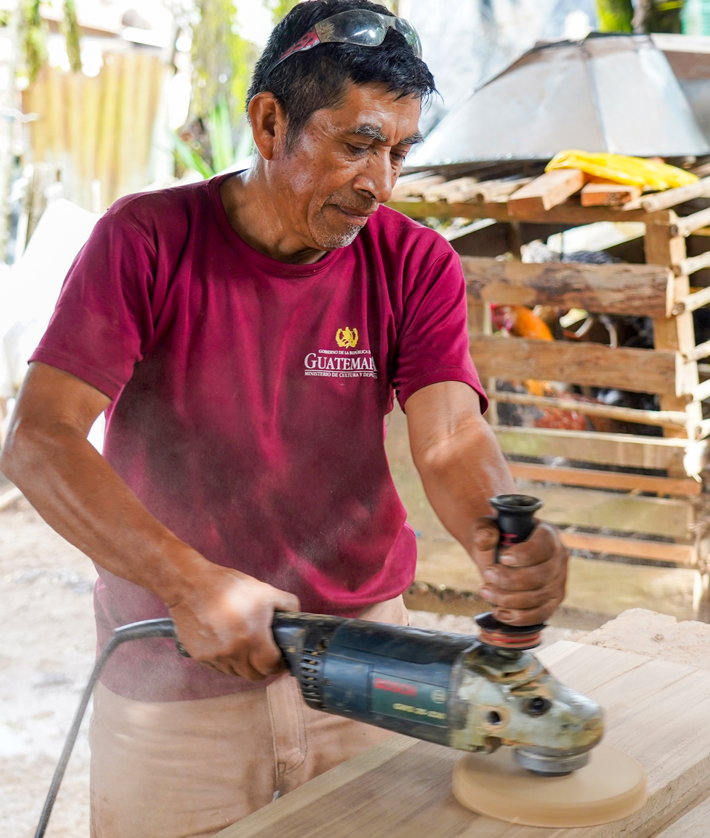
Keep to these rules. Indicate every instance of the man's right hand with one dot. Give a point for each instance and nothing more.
(225, 622)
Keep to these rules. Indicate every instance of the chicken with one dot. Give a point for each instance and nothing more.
(520, 321)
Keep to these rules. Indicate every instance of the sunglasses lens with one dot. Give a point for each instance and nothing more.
(359, 26)
(405, 28)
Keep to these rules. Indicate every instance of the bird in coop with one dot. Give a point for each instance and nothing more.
(520, 321)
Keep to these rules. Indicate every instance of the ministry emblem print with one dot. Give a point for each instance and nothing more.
(344, 362)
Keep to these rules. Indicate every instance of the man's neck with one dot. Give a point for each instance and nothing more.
(251, 211)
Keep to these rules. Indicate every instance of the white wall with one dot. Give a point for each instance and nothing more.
(468, 41)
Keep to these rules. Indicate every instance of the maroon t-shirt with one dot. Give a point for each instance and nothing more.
(248, 399)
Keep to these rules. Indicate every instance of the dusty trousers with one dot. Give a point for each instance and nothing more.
(187, 769)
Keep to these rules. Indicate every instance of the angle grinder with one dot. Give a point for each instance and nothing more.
(470, 693)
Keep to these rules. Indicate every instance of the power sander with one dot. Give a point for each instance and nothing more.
(470, 693)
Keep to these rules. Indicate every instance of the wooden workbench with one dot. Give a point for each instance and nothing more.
(657, 710)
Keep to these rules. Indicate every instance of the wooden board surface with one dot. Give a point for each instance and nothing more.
(643, 290)
(608, 194)
(656, 551)
(590, 364)
(568, 213)
(695, 823)
(566, 506)
(656, 711)
(592, 478)
(546, 191)
(591, 447)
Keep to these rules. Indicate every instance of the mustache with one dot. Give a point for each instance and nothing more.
(359, 209)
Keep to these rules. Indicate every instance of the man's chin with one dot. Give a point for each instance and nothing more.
(335, 239)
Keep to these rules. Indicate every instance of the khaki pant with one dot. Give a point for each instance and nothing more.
(187, 769)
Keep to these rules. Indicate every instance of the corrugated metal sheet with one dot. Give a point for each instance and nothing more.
(614, 93)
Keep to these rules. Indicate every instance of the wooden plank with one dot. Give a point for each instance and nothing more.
(592, 478)
(608, 194)
(683, 554)
(693, 264)
(390, 793)
(658, 418)
(702, 350)
(412, 188)
(591, 447)
(693, 824)
(673, 197)
(643, 290)
(691, 223)
(546, 191)
(695, 300)
(498, 190)
(460, 189)
(639, 370)
(105, 169)
(566, 506)
(568, 213)
(702, 391)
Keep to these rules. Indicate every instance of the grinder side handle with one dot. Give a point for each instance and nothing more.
(516, 522)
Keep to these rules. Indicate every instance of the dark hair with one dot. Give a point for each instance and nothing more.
(309, 81)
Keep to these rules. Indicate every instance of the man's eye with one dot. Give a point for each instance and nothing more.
(357, 151)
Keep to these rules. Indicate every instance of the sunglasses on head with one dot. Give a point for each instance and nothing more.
(360, 27)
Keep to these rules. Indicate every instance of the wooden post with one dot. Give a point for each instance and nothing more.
(675, 333)
(665, 247)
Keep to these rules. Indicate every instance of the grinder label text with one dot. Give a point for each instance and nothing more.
(405, 699)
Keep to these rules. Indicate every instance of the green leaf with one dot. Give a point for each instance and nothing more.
(220, 131)
(191, 159)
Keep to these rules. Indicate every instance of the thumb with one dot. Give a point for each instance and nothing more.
(485, 540)
(286, 602)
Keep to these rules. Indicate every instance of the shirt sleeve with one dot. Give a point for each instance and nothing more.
(434, 343)
(103, 320)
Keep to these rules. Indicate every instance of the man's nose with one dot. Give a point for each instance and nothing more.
(378, 178)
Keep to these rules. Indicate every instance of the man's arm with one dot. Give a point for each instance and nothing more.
(223, 617)
(462, 467)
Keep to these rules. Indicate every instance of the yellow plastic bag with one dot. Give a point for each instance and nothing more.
(633, 171)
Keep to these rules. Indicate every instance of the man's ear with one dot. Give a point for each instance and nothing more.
(269, 124)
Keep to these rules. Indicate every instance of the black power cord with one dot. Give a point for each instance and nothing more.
(134, 631)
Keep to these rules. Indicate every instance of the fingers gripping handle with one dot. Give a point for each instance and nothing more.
(516, 521)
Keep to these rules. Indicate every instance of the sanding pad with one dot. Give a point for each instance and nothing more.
(611, 786)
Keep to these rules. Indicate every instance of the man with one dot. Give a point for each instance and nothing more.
(245, 337)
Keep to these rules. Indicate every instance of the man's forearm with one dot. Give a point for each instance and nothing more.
(460, 474)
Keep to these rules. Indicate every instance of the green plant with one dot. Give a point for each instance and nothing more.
(34, 37)
(221, 152)
(34, 29)
(221, 59)
(72, 33)
(615, 15)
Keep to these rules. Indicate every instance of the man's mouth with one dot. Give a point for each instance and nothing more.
(356, 216)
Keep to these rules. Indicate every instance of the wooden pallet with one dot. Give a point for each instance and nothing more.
(658, 511)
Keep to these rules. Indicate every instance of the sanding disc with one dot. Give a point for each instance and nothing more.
(611, 786)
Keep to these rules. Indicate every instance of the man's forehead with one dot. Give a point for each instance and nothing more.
(376, 113)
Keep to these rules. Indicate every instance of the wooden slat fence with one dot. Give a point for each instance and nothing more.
(98, 131)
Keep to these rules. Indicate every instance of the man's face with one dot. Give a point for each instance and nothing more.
(344, 165)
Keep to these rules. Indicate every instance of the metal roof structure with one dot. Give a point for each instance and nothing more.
(613, 93)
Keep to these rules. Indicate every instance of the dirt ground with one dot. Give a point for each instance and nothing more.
(46, 654)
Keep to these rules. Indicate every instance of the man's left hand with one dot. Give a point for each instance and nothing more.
(528, 584)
